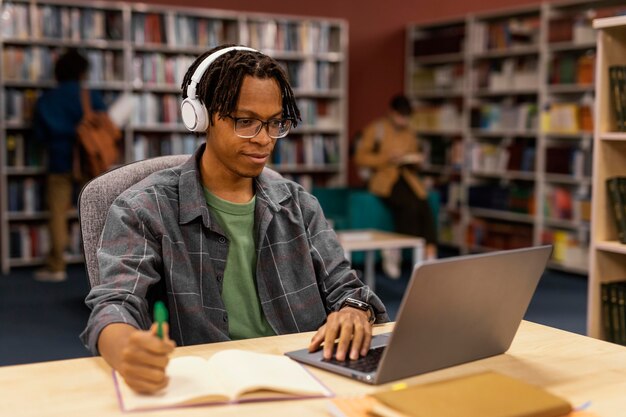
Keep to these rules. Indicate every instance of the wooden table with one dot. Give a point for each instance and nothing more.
(370, 240)
(576, 367)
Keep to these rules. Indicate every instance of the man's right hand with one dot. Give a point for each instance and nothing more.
(139, 356)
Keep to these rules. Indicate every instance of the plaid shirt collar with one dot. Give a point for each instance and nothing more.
(193, 204)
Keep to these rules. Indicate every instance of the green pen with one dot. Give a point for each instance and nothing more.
(160, 317)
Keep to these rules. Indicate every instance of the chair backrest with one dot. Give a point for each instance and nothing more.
(97, 196)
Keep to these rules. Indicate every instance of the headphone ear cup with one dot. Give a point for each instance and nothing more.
(194, 115)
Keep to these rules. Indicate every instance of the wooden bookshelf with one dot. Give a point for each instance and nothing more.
(144, 51)
(608, 255)
(521, 84)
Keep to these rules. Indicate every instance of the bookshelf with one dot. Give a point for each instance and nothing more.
(608, 255)
(504, 105)
(143, 51)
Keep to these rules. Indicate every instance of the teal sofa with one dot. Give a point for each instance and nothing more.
(356, 208)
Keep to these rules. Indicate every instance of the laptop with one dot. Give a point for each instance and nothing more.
(454, 310)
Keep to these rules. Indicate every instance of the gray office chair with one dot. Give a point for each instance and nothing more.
(97, 196)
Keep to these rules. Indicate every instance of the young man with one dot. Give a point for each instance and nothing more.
(234, 249)
(390, 148)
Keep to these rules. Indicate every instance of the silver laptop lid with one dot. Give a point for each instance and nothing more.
(460, 309)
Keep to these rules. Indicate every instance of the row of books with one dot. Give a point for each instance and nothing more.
(616, 190)
(151, 108)
(312, 76)
(499, 235)
(617, 84)
(283, 35)
(196, 31)
(517, 198)
(567, 68)
(575, 29)
(150, 146)
(446, 116)
(511, 33)
(568, 117)
(568, 160)
(158, 69)
(29, 241)
(19, 104)
(569, 248)
(439, 151)
(60, 22)
(439, 77)
(26, 195)
(566, 203)
(506, 75)
(505, 116)
(22, 151)
(37, 64)
(320, 113)
(270, 35)
(613, 301)
(499, 158)
(309, 150)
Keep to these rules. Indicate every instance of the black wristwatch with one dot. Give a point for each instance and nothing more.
(361, 305)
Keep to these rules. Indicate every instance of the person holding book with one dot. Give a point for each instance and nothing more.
(234, 249)
(57, 114)
(389, 150)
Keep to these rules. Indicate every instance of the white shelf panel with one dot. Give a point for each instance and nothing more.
(512, 92)
(567, 179)
(566, 224)
(570, 88)
(612, 246)
(506, 53)
(509, 175)
(504, 133)
(501, 215)
(616, 136)
(62, 43)
(436, 94)
(573, 136)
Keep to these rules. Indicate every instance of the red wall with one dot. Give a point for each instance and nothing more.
(376, 38)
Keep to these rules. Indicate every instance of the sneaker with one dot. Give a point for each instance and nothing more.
(45, 275)
(391, 263)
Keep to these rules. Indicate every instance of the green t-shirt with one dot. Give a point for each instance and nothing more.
(239, 293)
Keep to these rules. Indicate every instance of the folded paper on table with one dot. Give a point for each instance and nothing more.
(228, 376)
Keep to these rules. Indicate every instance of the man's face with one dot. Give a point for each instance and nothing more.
(400, 120)
(260, 99)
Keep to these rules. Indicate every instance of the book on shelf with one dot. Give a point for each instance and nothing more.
(613, 301)
(616, 189)
(485, 394)
(617, 85)
(229, 376)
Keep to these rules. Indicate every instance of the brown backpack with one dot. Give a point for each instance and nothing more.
(97, 144)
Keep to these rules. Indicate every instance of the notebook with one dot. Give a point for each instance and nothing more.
(454, 310)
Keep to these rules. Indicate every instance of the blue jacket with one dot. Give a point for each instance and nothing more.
(57, 113)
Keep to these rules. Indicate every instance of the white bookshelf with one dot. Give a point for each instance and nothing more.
(313, 48)
(523, 77)
(608, 255)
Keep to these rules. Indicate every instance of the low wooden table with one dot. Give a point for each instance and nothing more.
(371, 240)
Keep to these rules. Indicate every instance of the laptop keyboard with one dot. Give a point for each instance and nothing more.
(367, 363)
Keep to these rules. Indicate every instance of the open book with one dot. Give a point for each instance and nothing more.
(228, 376)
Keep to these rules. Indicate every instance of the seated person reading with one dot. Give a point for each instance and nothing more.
(235, 250)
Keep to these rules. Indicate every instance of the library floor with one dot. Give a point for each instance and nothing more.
(41, 321)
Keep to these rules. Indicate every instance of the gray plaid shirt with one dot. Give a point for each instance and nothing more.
(161, 241)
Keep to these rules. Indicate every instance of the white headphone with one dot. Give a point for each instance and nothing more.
(193, 112)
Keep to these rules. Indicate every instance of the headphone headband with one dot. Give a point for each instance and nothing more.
(206, 63)
(193, 112)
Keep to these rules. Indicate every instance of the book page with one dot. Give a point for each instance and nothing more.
(258, 374)
(188, 384)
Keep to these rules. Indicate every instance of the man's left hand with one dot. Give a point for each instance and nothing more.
(349, 325)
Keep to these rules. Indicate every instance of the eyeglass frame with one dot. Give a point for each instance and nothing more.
(264, 124)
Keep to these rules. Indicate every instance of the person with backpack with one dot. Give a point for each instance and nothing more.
(57, 114)
(389, 152)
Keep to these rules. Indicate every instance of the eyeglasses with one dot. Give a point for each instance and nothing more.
(249, 127)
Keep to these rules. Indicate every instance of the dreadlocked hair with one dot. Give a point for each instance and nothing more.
(219, 86)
